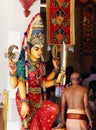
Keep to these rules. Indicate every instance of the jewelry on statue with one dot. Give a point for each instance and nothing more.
(24, 100)
(21, 79)
(34, 66)
(33, 36)
(12, 74)
(55, 71)
(44, 79)
(26, 62)
(55, 82)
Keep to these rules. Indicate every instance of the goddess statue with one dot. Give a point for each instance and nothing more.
(27, 74)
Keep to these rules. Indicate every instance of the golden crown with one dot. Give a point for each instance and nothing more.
(35, 34)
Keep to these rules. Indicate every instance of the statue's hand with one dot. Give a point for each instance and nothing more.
(24, 109)
(56, 63)
(60, 77)
(12, 66)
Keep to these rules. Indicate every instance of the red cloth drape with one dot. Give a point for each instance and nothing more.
(26, 4)
(59, 20)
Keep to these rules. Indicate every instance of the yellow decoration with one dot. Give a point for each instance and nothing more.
(59, 20)
(5, 95)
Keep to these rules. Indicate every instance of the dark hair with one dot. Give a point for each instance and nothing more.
(22, 54)
(93, 69)
(30, 45)
(92, 85)
(69, 71)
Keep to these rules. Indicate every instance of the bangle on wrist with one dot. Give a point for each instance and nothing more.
(24, 100)
(12, 74)
(55, 71)
(55, 82)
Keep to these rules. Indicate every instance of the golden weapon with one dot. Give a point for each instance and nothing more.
(55, 51)
(63, 63)
(10, 54)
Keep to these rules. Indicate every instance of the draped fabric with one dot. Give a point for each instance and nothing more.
(60, 21)
(26, 4)
(88, 46)
(42, 112)
(74, 123)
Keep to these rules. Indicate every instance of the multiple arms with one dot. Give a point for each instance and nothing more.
(21, 85)
(50, 81)
(54, 71)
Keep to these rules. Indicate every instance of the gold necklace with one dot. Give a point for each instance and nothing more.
(33, 66)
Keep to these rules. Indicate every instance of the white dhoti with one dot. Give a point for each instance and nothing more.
(76, 120)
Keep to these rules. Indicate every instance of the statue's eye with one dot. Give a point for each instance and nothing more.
(36, 48)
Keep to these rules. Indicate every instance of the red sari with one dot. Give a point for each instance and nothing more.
(42, 112)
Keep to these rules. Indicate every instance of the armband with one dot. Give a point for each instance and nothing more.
(55, 71)
(55, 82)
(24, 100)
(21, 79)
(12, 74)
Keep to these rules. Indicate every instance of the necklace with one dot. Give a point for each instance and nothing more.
(33, 63)
(34, 66)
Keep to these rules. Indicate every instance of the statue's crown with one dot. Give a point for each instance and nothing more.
(35, 32)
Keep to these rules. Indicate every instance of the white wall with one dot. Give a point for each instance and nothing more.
(13, 20)
(13, 24)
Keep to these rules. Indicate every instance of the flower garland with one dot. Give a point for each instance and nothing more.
(26, 62)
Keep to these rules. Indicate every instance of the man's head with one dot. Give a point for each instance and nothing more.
(75, 78)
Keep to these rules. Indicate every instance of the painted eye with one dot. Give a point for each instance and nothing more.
(36, 48)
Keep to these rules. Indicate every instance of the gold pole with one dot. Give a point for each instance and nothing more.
(5, 108)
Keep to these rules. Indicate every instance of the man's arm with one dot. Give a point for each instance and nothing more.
(63, 108)
(87, 108)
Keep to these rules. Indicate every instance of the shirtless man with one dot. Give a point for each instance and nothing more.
(76, 98)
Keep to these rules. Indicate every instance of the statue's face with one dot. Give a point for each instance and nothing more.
(36, 51)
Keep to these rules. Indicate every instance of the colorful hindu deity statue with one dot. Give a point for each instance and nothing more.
(27, 75)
